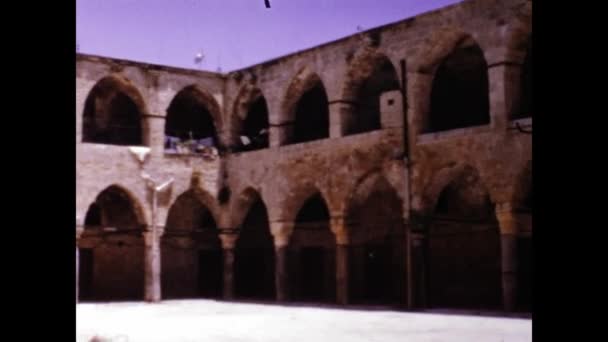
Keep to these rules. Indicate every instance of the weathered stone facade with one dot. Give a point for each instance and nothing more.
(403, 164)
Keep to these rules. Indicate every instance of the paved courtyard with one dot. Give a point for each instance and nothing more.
(207, 320)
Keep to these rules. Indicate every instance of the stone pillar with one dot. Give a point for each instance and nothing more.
(509, 227)
(152, 265)
(417, 296)
(153, 134)
(504, 87)
(79, 231)
(281, 231)
(340, 116)
(338, 227)
(280, 134)
(228, 244)
(419, 87)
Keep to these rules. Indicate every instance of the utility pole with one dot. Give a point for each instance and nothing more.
(152, 279)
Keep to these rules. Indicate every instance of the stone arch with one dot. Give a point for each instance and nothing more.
(361, 67)
(134, 205)
(297, 196)
(250, 119)
(455, 93)
(440, 180)
(438, 45)
(111, 248)
(312, 252)
(193, 111)
(374, 218)
(113, 113)
(254, 252)
(306, 95)
(464, 268)
(369, 74)
(242, 203)
(191, 251)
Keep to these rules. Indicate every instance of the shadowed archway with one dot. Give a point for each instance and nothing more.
(113, 113)
(254, 255)
(191, 251)
(111, 265)
(464, 258)
(375, 223)
(312, 254)
(460, 89)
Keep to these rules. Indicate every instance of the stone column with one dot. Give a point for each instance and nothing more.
(504, 86)
(79, 231)
(338, 227)
(153, 135)
(509, 227)
(228, 244)
(152, 265)
(419, 87)
(281, 231)
(340, 116)
(279, 134)
(416, 266)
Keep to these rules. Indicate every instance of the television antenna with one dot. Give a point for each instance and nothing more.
(199, 58)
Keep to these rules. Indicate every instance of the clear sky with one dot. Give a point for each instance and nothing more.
(231, 33)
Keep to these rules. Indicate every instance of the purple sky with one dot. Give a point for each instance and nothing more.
(231, 33)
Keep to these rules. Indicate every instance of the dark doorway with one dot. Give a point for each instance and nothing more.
(312, 282)
(254, 256)
(192, 265)
(464, 248)
(312, 253)
(210, 270)
(112, 254)
(377, 263)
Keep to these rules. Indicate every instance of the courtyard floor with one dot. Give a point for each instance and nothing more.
(214, 321)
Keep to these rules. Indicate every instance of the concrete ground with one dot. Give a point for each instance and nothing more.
(211, 321)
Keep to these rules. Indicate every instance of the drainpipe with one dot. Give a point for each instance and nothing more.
(407, 162)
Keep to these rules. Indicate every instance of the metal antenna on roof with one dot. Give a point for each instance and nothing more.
(199, 58)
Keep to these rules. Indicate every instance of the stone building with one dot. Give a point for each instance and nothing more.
(391, 167)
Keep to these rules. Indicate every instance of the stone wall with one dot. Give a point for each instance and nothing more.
(417, 165)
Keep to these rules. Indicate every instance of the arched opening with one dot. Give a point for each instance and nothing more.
(254, 133)
(367, 114)
(464, 247)
(313, 254)
(254, 256)
(311, 115)
(525, 110)
(460, 90)
(189, 126)
(375, 222)
(112, 115)
(111, 249)
(191, 251)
